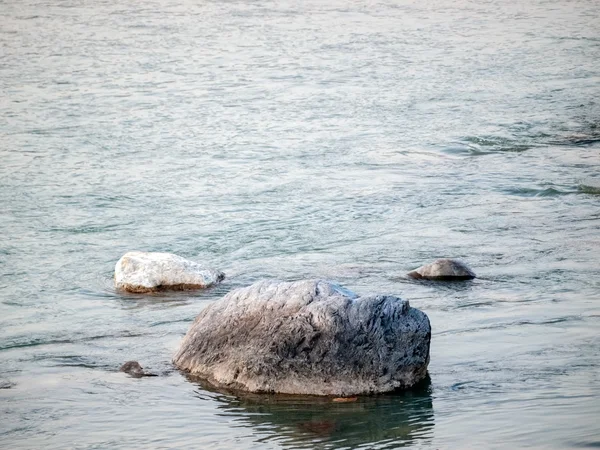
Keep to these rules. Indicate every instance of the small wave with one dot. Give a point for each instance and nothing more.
(591, 444)
(168, 322)
(476, 386)
(72, 361)
(577, 140)
(474, 305)
(504, 325)
(39, 341)
(86, 229)
(493, 144)
(537, 192)
(47, 131)
(486, 144)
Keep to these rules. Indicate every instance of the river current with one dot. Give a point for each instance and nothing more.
(347, 140)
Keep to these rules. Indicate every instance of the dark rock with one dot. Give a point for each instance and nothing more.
(134, 369)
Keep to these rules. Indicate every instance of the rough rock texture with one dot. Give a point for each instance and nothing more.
(444, 269)
(307, 337)
(148, 272)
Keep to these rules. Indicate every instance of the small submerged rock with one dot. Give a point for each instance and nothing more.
(134, 369)
(307, 337)
(152, 271)
(590, 186)
(444, 270)
(7, 384)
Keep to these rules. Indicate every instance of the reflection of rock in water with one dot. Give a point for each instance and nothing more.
(388, 420)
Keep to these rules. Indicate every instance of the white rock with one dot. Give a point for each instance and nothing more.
(307, 337)
(152, 271)
(443, 269)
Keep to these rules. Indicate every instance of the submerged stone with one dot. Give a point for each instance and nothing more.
(152, 271)
(307, 337)
(443, 269)
(134, 369)
(6, 384)
(590, 186)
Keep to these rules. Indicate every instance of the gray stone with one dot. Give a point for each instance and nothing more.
(151, 271)
(307, 337)
(134, 369)
(443, 269)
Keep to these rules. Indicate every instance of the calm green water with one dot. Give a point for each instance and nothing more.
(348, 140)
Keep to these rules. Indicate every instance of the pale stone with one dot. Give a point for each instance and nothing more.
(307, 337)
(151, 271)
(444, 269)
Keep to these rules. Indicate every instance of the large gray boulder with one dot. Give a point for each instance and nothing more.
(152, 271)
(307, 337)
(444, 270)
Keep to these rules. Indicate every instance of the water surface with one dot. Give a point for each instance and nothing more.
(347, 140)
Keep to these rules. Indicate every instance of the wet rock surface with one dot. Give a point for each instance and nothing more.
(307, 337)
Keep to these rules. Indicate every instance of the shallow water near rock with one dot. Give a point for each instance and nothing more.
(353, 141)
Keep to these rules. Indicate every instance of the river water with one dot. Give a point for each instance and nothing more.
(346, 140)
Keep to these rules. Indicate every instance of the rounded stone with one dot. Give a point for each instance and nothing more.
(153, 271)
(134, 369)
(307, 337)
(443, 269)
